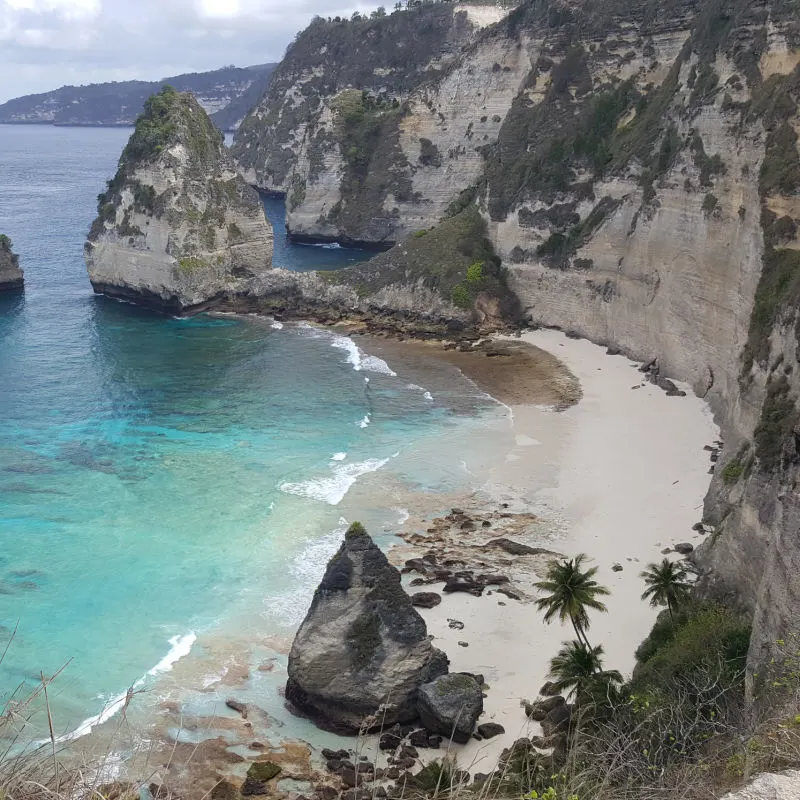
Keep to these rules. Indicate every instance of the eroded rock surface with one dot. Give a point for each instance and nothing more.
(177, 228)
(363, 650)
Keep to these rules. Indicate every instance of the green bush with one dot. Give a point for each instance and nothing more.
(779, 416)
(704, 637)
(475, 272)
(462, 296)
(733, 471)
(5, 243)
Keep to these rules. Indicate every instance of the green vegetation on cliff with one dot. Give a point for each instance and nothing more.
(169, 118)
(455, 258)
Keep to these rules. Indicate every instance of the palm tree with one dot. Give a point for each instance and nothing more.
(578, 668)
(571, 592)
(666, 585)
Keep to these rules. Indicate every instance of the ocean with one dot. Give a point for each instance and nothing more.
(168, 484)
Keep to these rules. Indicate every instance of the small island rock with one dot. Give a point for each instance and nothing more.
(363, 650)
(178, 229)
(11, 276)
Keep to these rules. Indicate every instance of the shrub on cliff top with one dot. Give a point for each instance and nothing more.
(5, 243)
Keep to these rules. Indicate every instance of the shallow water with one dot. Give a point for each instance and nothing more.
(162, 478)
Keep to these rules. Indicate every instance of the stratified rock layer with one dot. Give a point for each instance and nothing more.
(11, 276)
(177, 228)
(362, 651)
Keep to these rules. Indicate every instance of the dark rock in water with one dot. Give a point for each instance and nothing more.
(548, 689)
(490, 729)
(426, 599)
(363, 650)
(450, 705)
(455, 624)
(684, 548)
(616, 568)
(235, 705)
(332, 755)
(257, 776)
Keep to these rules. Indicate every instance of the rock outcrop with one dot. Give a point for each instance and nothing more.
(362, 651)
(177, 228)
(770, 786)
(11, 276)
(365, 121)
(450, 705)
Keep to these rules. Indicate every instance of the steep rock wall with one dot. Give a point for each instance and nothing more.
(178, 229)
(11, 276)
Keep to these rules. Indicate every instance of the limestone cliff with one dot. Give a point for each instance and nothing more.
(365, 121)
(362, 651)
(637, 168)
(11, 276)
(177, 227)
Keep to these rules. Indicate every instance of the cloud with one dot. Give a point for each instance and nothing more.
(45, 44)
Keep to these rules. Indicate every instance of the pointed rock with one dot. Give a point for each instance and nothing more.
(178, 229)
(363, 650)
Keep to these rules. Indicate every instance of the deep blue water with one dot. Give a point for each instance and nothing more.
(160, 477)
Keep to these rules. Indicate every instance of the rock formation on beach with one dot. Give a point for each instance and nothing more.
(363, 651)
(177, 228)
(11, 276)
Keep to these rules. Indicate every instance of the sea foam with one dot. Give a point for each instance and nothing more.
(181, 646)
(359, 360)
(333, 489)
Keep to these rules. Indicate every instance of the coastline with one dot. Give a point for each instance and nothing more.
(572, 480)
(627, 477)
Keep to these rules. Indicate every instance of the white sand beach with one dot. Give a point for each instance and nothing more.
(619, 476)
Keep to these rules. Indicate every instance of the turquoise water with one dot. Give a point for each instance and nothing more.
(159, 477)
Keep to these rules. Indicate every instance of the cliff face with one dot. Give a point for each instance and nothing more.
(638, 171)
(364, 123)
(11, 276)
(178, 229)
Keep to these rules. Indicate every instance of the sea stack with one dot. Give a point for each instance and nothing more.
(362, 651)
(11, 276)
(177, 228)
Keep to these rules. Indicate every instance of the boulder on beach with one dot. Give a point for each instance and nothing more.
(363, 650)
(450, 705)
(426, 599)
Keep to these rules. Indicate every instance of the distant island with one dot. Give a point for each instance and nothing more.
(226, 94)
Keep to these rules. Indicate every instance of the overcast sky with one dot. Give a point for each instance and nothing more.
(45, 44)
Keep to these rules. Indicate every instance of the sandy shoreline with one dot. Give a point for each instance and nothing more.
(620, 475)
(627, 477)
